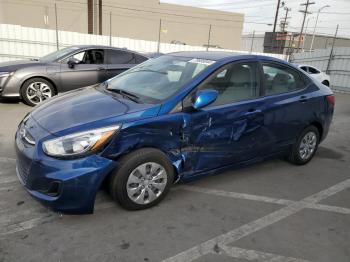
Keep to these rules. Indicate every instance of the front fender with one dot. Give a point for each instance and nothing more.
(161, 132)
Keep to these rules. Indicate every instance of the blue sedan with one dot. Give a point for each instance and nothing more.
(174, 118)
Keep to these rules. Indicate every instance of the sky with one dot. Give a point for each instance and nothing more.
(263, 11)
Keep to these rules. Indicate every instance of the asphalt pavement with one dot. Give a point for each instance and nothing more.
(270, 211)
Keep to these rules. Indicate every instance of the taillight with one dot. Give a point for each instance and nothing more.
(331, 100)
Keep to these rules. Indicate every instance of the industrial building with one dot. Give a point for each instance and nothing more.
(137, 19)
(287, 42)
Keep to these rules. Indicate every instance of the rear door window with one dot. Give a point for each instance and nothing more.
(120, 57)
(281, 79)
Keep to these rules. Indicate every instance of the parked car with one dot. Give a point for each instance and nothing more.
(316, 73)
(70, 68)
(173, 118)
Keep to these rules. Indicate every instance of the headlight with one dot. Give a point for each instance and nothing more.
(79, 143)
(6, 74)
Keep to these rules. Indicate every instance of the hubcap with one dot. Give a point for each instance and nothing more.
(307, 145)
(146, 183)
(38, 92)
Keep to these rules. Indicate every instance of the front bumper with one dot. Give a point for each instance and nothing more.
(9, 87)
(67, 186)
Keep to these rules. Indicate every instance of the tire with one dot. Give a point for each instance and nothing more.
(36, 90)
(127, 187)
(296, 154)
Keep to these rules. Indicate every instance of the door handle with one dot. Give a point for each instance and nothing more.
(101, 68)
(303, 99)
(252, 111)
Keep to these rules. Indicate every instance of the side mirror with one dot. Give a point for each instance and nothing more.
(72, 62)
(203, 98)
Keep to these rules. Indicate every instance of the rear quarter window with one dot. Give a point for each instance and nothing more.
(139, 59)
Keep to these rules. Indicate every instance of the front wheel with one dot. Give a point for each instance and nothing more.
(143, 179)
(305, 147)
(36, 90)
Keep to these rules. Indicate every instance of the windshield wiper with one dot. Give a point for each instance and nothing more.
(124, 93)
(149, 70)
(145, 70)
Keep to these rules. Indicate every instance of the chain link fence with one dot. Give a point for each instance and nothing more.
(336, 62)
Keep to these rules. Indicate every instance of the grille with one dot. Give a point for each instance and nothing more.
(23, 172)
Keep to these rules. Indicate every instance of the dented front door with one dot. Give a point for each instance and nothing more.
(224, 135)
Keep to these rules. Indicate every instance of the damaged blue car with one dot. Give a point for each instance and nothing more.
(174, 118)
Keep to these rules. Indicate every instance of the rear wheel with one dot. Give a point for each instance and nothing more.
(143, 179)
(305, 147)
(36, 90)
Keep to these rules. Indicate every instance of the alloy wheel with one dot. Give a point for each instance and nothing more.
(307, 145)
(146, 183)
(37, 92)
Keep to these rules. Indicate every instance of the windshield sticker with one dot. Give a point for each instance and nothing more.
(201, 61)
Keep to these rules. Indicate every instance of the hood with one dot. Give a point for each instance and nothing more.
(15, 65)
(87, 106)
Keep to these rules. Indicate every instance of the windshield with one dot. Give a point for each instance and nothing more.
(58, 54)
(157, 79)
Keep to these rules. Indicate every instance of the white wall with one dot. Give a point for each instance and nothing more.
(17, 42)
(258, 42)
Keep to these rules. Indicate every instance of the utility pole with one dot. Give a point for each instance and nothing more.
(160, 29)
(284, 22)
(283, 25)
(305, 34)
(251, 47)
(313, 34)
(291, 51)
(209, 37)
(305, 12)
(288, 52)
(57, 44)
(110, 28)
(100, 17)
(276, 16)
(331, 53)
(90, 13)
(274, 25)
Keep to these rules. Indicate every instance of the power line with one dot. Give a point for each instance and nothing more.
(336, 13)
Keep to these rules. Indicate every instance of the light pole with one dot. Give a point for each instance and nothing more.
(305, 34)
(313, 35)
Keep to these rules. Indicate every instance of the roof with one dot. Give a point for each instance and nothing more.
(209, 55)
(97, 46)
(219, 55)
(109, 47)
